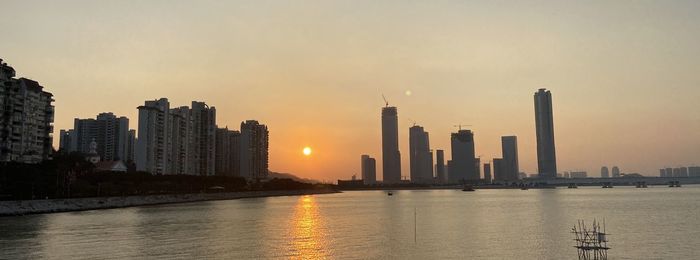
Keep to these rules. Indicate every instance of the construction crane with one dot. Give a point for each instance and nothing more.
(385, 102)
(412, 121)
(460, 126)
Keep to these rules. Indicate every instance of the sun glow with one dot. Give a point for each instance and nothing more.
(307, 151)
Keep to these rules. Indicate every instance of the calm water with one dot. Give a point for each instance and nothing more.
(653, 223)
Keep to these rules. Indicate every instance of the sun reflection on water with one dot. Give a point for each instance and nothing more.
(307, 232)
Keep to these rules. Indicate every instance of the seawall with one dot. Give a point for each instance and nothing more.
(24, 207)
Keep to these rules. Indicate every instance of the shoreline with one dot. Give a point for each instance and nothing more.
(30, 207)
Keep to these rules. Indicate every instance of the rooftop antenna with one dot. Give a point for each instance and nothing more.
(385, 102)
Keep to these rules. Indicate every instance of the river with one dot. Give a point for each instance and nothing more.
(653, 223)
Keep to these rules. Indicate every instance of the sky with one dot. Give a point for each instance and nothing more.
(624, 75)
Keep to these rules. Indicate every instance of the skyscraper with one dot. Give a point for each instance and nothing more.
(511, 168)
(420, 156)
(391, 157)
(544, 122)
(254, 150)
(615, 172)
(369, 169)
(604, 172)
(487, 172)
(109, 132)
(463, 158)
(440, 166)
(498, 171)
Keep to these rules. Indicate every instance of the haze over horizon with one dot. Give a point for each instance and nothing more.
(623, 74)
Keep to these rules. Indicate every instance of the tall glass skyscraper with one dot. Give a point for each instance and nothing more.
(546, 155)
(391, 157)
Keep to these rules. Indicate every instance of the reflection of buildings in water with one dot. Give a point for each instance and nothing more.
(307, 233)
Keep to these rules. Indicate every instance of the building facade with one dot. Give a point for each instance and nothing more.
(604, 173)
(544, 123)
(227, 152)
(509, 149)
(391, 157)
(110, 133)
(420, 155)
(26, 119)
(440, 169)
(463, 160)
(153, 136)
(254, 150)
(368, 167)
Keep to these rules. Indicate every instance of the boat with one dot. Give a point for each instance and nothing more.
(390, 194)
(468, 188)
(524, 188)
(573, 186)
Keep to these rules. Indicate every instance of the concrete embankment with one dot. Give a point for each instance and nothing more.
(23, 207)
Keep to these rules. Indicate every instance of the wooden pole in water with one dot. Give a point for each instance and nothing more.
(415, 227)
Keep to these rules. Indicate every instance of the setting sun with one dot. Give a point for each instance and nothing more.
(307, 151)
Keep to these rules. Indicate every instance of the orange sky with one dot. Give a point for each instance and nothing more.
(623, 74)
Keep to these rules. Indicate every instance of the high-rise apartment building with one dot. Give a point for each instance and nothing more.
(368, 167)
(254, 150)
(26, 119)
(227, 152)
(511, 168)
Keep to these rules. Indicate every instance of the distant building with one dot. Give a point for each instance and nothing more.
(202, 150)
(684, 172)
(487, 172)
(694, 171)
(368, 166)
(579, 174)
(391, 157)
(254, 152)
(463, 158)
(151, 146)
(604, 173)
(615, 172)
(509, 145)
(499, 174)
(26, 119)
(440, 169)
(131, 152)
(420, 155)
(111, 133)
(227, 152)
(111, 166)
(669, 172)
(662, 173)
(544, 122)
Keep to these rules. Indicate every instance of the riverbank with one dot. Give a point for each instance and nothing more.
(24, 207)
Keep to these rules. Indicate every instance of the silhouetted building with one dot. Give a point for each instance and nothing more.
(604, 173)
(420, 156)
(487, 172)
(511, 168)
(463, 158)
(669, 172)
(498, 171)
(684, 172)
(66, 141)
(544, 121)
(202, 150)
(579, 175)
(110, 133)
(662, 172)
(131, 146)
(227, 149)
(153, 135)
(391, 157)
(178, 144)
(254, 150)
(369, 169)
(694, 171)
(615, 172)
(26, 119)
(440, 166)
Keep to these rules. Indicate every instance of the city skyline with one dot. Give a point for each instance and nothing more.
(613, 90)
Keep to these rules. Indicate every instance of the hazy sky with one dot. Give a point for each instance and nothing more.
(624, 75)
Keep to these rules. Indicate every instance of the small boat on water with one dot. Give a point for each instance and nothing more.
(468, 188)
(524, 188)
(390, 194)
(573, 186)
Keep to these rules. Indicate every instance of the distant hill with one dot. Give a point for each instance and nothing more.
(281, 175)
